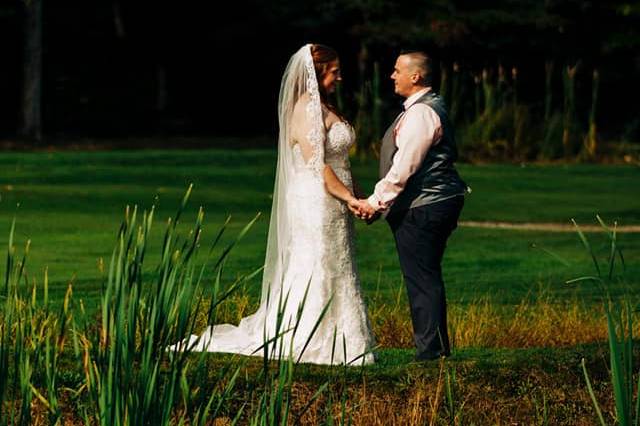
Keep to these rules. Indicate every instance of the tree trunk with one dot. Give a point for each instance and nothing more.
(32, 89)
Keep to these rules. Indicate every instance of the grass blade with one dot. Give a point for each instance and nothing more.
(587, 246)
(552, 254)
(617, 374)
(596, 406)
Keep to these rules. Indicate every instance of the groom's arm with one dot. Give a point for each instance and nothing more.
(419, 129)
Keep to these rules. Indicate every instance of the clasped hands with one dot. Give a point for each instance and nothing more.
(362, 210)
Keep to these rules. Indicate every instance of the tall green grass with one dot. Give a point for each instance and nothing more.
(130, 378)
(137, 368)
(32, 340)
(620, 332)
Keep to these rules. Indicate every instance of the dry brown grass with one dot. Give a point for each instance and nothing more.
(540, 321)
(502, 398)
(508, 395)
(543, 323)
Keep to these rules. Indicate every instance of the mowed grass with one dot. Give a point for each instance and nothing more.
(71, 205)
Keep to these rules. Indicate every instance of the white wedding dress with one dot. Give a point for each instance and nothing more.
(321, 257)
(311, 306)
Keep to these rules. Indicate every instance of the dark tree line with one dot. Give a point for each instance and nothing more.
(115, 68)
(31, 126)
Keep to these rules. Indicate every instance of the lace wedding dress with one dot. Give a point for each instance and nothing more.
(311, 307)
(322, 266)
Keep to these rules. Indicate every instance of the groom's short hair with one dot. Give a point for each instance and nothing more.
(422, 62)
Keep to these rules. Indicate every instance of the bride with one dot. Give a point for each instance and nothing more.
(311, 307)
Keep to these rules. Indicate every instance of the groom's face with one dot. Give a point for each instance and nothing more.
(404, 76)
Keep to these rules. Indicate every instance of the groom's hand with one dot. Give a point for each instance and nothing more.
(373, 218)
(366, 210)
(361, 209)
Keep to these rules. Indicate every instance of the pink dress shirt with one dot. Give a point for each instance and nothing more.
(417, 129)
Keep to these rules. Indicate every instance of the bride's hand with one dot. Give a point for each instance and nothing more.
(361, 209)
(354, 206)
(366, 210)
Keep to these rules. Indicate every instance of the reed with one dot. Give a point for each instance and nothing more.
(136, 366)
(369, 120)
(363, 120)
(128, 375)
(489, 93)
(376, 102)
(538, 320)
(444, 88)
(502, 90)
(32, 340)
(456, 93)
(591, 139)
(621, 321)
(570, 125)
(548, 90)
(477, 96)
(133, 374)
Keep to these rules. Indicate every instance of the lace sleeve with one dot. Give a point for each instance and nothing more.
(315, 135)
(310, 133)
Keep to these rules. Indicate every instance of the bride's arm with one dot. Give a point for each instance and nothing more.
(309, 132)
(336, 187)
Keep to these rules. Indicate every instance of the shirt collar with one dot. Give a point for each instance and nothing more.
(413, 98)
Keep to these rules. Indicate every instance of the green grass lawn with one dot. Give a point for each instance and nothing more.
(71, 205)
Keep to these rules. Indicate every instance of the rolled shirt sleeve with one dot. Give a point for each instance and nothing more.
(417, 130)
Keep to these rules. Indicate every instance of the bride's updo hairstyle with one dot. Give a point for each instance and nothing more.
(322, 57)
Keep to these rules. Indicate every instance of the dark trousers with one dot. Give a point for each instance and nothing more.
(421, 235)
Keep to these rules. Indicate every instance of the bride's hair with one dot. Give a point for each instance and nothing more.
(322, 57)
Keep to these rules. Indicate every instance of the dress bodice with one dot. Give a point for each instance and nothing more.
(340, 138)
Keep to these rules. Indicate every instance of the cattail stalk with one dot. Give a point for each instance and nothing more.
(489, 92)
(478, 95)
(455, 92)
(591, 142)
(444, 82)
(548, 91)
(376, 102)
(568, 133)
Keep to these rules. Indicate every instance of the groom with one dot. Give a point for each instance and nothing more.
(421, 196)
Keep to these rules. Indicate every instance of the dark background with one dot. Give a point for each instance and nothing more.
(222, 63)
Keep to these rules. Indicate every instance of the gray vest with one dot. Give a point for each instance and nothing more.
(436, 179)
